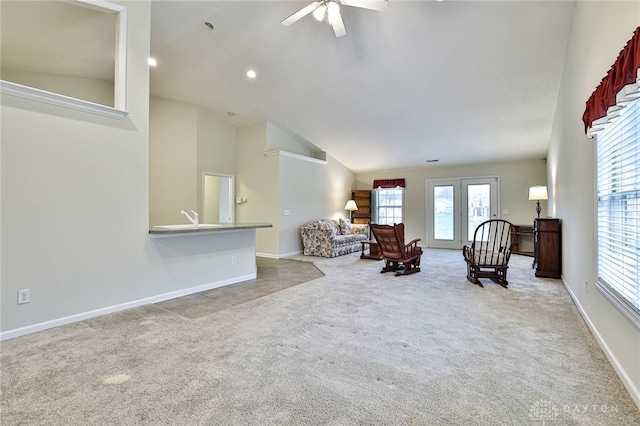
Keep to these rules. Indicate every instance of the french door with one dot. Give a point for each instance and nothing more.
(455, 207)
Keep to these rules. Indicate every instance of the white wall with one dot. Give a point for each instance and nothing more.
(600, 31)
(515, 179)
(75, 211)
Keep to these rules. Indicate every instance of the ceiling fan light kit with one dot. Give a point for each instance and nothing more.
(331, 9)
(319, 12)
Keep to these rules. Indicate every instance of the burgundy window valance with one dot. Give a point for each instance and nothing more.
(621, 85)
(388, 183)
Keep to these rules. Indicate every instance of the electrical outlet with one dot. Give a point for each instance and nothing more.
(233, 260)
(24, 296)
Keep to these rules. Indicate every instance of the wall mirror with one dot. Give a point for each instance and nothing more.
(70, 53)
(218, 198)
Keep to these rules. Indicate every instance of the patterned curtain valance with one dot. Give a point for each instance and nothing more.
(620, 86)
(388, 183)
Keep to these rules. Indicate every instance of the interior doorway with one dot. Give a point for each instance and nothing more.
(455, 207)
(217, 198)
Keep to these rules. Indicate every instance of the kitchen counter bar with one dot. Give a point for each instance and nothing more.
(224, 227)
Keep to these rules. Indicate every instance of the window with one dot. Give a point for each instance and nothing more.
(388, 204)
(618, 214)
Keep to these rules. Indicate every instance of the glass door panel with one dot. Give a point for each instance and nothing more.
(455, 207)
(443, 227)
(481, 203)
(478, 206)
(443, 213)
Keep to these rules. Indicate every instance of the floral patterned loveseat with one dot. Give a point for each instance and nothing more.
(331, 238)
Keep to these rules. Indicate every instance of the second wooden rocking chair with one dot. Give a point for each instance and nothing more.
(401, 258)
(488, 255)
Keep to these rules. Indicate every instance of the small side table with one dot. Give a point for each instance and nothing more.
(374, 250)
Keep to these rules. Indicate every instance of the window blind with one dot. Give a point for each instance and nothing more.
(618, 186)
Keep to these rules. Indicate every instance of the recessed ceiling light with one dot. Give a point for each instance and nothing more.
(251, 74)
(152, 62)
(208, 25)
(231, 113)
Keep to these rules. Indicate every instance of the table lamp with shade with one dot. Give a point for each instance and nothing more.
(351, 206)
(537, 193)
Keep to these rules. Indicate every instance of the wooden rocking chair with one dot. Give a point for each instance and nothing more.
(401, 258)
(488, 255)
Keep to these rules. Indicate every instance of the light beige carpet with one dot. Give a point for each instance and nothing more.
(352, 347)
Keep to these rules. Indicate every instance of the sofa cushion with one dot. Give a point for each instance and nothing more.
(345, 226)
(329, 224)
(349, 239)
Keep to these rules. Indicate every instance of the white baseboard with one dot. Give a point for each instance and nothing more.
(267, 255)
(294, 253)
(624, 377)
(10, 334)
(278, 256)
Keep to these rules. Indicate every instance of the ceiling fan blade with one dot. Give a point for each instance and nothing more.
(300, 14)
(338, 27)
(379, 5)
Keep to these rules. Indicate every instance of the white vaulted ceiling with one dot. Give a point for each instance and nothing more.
(458, 81)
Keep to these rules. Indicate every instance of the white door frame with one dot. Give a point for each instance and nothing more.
(460, 186)
(226, 204)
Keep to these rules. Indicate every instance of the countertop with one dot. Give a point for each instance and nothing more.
(222, 227)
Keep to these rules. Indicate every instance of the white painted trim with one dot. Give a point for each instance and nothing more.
(619, 302)
(38, 95)
(119, 109)
(232, 194)
(120, 74)
(120, 79)
(267, 255)
(624, 377)
(10, 334)
(292, 155)
(293, 253)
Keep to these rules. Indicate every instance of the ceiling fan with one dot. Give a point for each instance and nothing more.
(331, 8)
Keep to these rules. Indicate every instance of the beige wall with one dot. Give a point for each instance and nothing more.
(216, 151)
(75, 199)
(257, 181)
(211, 212)
(515, 179)
(97, 91)
(310, 191)
(185, 141)
(600, 30)
(75, 211)
(272, 184)
(173, 182)
(278, 139)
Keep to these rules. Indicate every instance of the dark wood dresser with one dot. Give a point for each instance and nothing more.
(547, 248)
